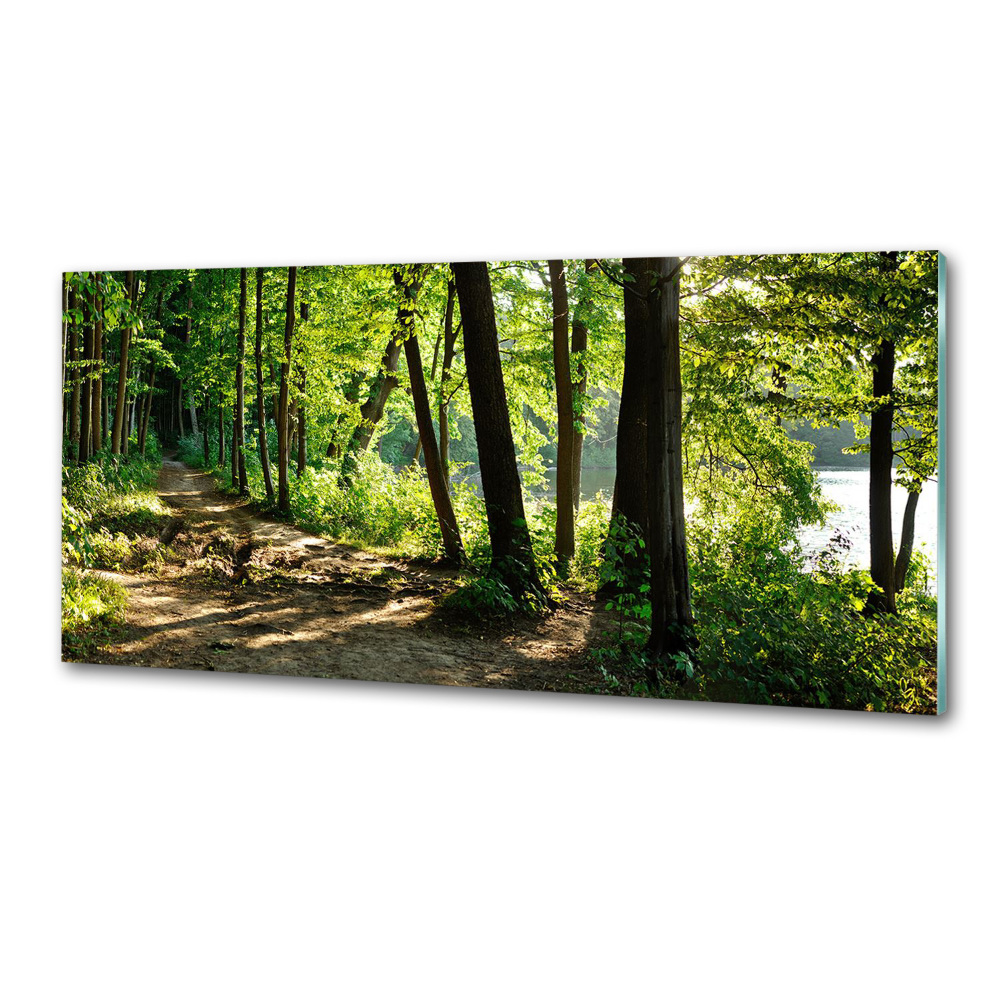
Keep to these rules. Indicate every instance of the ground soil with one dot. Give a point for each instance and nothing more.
(244, 592)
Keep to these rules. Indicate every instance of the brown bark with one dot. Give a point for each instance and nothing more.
(204, 431)
(512, 555)
(282, 422)
(300, 413)
(671, 623)
(374, 407)
(239, 434)
(565, 543)
(265, 463)
(97, 382)
(630, 455)
(409, 287)
(86, 384)
(74, 350)
(119, 422)
(883, 563)
(450, 336)
(906, 540)
(578, 372)
(144, 428)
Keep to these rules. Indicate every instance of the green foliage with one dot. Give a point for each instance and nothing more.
(110, 511)
(90, 601)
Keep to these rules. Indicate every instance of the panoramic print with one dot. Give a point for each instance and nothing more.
(697, 478)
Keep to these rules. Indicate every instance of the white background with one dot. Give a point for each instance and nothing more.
(194, 835)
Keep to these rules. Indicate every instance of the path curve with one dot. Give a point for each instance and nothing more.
(247, 593)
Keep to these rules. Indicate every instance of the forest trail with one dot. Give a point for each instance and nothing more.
(244, 593)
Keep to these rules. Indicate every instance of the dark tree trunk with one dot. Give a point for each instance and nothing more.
(672, 624)
(630, 456)
(450, 336)
(222, 433)
(117, 429)
(86, 384)
(204, 430)
(97, 381)
(906, 540)
(239, 434)
(578, 372)
(409, 287)
(286, 358)
(512, 555)
(300, 411)
(883, 563)
(74, 350)
(65, 355)
(565, 545)
(265, 463)
(187, 340)
(144, 429)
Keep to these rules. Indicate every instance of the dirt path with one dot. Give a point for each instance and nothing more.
(245, 593)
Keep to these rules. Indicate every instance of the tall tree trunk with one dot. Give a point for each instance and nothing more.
(204, 431)
(222, 433)
(86, 383)
(241, 346)
(265, 463)
(450, 336)
(565, 545)
(512, 555)
(672, 624)
(97, 382)
(628, 504)
(283, 497)
(578, 372)
(144, 429)
(116, 432)
(192, 408)
(300, 413)
(65, 354)
(74, 349)
(409, 286)
(883, 563)
(906, 540)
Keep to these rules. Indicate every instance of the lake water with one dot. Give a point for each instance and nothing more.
(848, 488)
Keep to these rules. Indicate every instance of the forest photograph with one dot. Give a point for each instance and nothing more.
(701, 478)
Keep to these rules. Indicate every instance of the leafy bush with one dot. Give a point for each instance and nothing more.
(90, 600)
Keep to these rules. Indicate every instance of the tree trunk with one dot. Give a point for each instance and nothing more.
(906, 540)
(372, 410)
(450, 336)
(65, 355)
(565, 545)
(265, 463)
(187, 340)
(578, 372)
(300, 411)
(630, 453)
(144, 429)
(238, 429)
(286, 358)
(672, 624)
(97, 381)
(74, 350)
(86, 384)
(883, 563)
(405, 318)
(116, 432)
(204, 431)
(512, 555)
